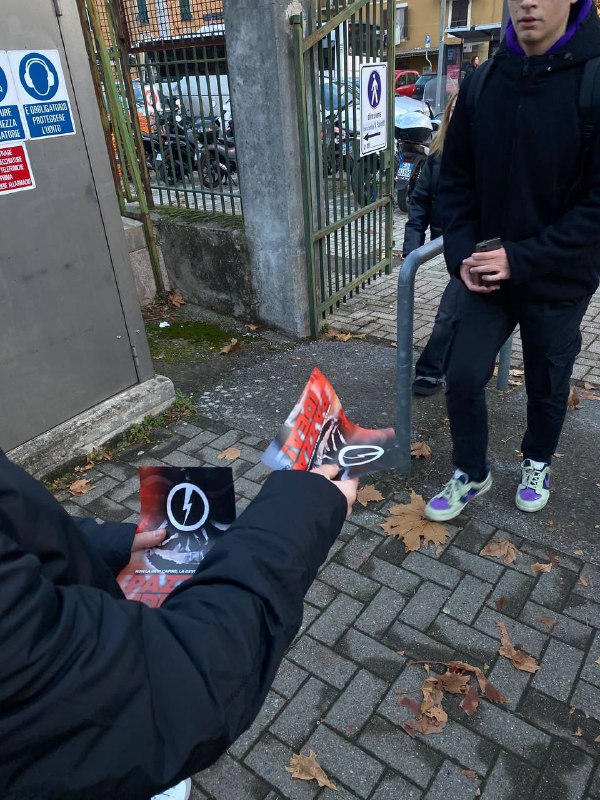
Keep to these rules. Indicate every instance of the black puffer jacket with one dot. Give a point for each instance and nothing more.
(103, 698)
(510, 172)
(423, 212)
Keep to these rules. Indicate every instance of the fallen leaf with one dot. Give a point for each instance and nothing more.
(597, 739)
(368, 494)
(410, 703)
(588, 386)
(478, 793)
(425, 725)
(571, 711)
(230, 454)
(541, 567)
(470, 773)
(470, 702)
(583, 580)
(408, 522)
(500, 603)
(589, 396)
(486, 687)
(393, 344)
(519, 659)
(359, 335)
(445, 421)
(401, 652)
(454, 682)
(85, 468)
(573, 401)
(501, 548)
(554, 560)
(80, 486)
(306, 768)
(559, 455)
(578, 552)
(577, 732)
(515, 383)
(229, 347)
(175, 300)
(420, 450)
(597, 661)
(337, 336)
(547, 620)
(251, 327)
(518, 372)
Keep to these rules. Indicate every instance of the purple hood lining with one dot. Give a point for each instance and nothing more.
(578, 13)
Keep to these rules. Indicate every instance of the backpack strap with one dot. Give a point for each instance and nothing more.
(589, 101)
(476, 83)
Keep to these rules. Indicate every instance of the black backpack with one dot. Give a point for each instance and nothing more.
(589, 97)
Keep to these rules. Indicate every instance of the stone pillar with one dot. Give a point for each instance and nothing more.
(263, 95)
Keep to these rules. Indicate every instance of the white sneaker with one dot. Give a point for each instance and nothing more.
(455, 495)
(180, 791)
(534, 490)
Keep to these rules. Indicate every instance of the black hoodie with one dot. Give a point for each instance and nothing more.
(512, 168)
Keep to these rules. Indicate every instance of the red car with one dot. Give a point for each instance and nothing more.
(405, 82)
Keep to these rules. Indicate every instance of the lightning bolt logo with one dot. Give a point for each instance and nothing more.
(187, 503)
(174, 514)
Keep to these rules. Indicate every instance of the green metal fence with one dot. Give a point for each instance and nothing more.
(177, 69)
(347, 198)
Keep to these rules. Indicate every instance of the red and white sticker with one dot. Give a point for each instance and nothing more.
(15, 170)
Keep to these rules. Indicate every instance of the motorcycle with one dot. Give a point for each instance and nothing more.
(414, 132)
(218, 160)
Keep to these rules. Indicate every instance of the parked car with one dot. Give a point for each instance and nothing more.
(405, 82)
(421, 83)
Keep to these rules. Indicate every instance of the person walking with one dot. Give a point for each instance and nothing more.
(423, 213)
(472, 66)
(521, 164)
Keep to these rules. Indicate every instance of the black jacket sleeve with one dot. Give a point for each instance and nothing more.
(575, 237)
(457, 196)
(419, 212)
(106, 698)
(111, 541)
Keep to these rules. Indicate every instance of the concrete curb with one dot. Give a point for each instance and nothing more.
(59, 446)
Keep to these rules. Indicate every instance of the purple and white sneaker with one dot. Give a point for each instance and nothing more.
(455, 495)
(534, 490)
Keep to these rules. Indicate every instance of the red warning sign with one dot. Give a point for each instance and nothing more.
(15, 169)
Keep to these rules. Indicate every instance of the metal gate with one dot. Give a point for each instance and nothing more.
(348, 208)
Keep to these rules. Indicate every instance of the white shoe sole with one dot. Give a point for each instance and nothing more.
(537, 505)
(445, 516)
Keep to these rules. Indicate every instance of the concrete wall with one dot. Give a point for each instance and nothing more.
(210, 264)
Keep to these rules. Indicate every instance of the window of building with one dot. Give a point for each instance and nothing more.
(142, 14)
(459, 13)
(401, 34)
(185, 10)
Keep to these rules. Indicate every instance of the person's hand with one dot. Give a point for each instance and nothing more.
(147, 540)
(485, 270)
(347, 487)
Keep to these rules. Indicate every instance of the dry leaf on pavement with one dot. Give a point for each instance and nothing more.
(518, 372)
(230, 454)
(583, 581)
(306, 768)
(175, 300)
(337, 336)
(500, 603)
(547, 620)
(577, 732)
(519, 659)
(597, 661)
(251, 327)
(578, 552)
(597, 739)
(420, 450)
(224, 351)
(541, 567)
(589, 396)
(470, 773)
(470, 701)
(80, 486)
(573, 401)
(515, 383)
(85, 468)
(408, 522)
(501, 548)
(368, 494)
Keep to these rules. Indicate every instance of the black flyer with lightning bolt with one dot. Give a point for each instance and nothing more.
(195, 505)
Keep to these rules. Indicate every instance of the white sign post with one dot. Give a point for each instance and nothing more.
(40, 82)
(373, 108)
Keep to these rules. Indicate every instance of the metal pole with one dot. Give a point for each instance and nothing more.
(404, 343)
(440, 67)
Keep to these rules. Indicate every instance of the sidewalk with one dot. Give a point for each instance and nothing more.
(374, 608)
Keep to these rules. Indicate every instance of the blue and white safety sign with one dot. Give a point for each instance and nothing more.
(373, 108)
(11, 121)
(42, 90)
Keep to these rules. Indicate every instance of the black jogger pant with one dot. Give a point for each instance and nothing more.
(430, 363)
(551, 342)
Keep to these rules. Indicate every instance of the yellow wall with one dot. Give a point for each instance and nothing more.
(424, 18)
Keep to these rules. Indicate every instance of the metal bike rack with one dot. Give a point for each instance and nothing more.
(405, 323)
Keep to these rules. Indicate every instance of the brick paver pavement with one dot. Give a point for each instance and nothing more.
(373, 311)
(372, 609)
